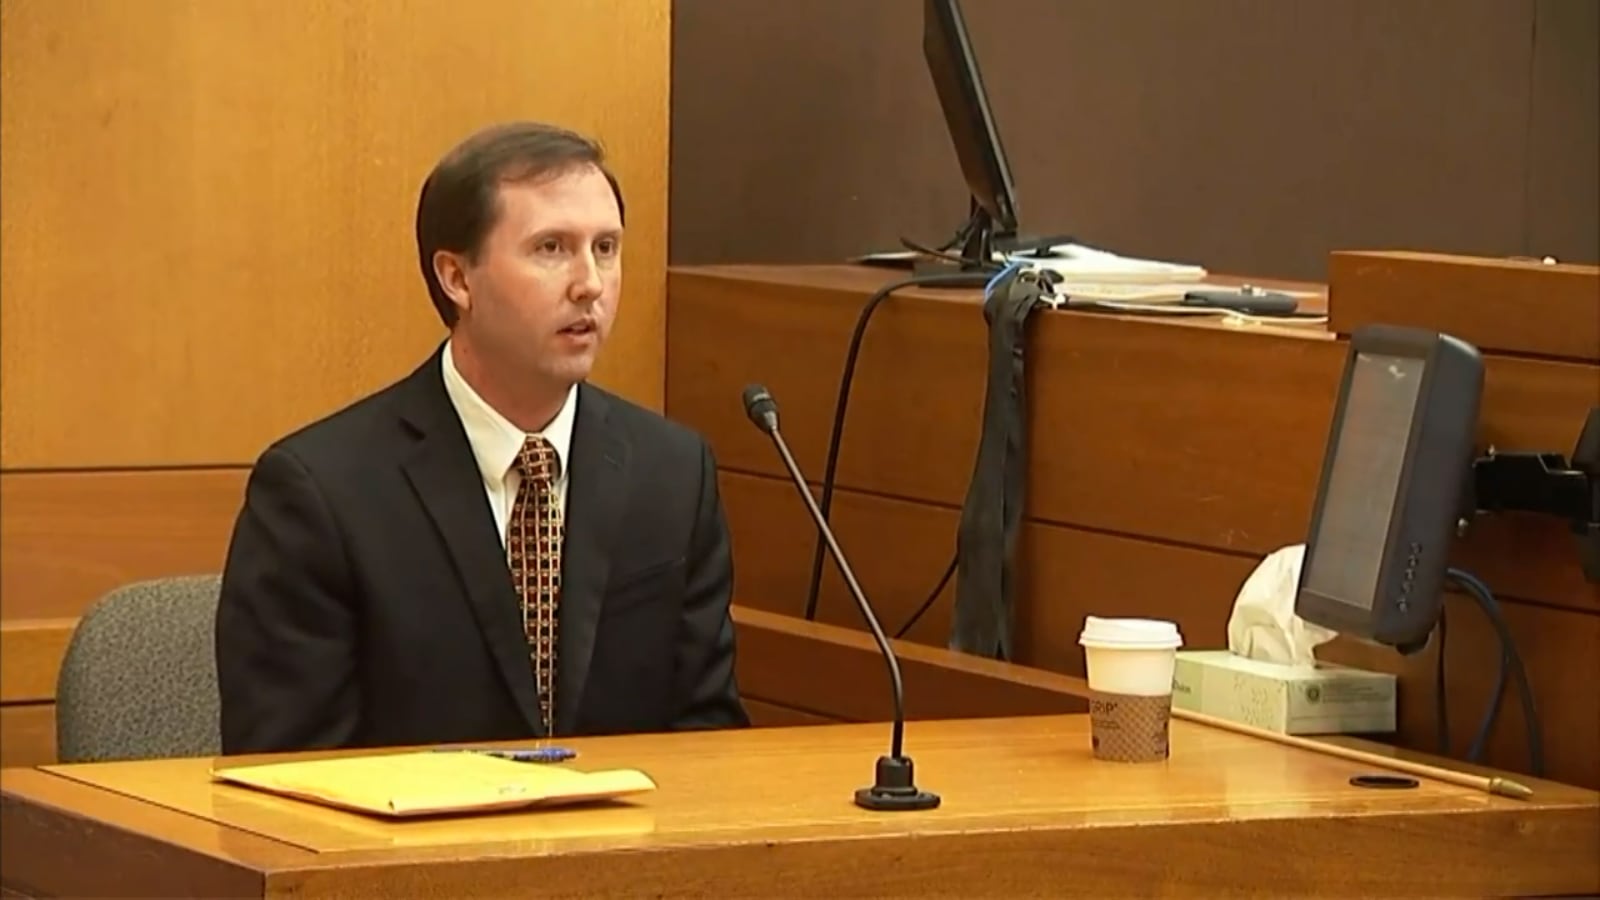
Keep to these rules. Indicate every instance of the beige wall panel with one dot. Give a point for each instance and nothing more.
(207, 206)
(69, 538)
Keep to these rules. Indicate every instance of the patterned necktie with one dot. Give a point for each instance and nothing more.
(533, 542)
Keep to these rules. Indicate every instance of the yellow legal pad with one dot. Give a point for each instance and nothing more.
(429, 783)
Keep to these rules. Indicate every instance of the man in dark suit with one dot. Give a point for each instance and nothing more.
(491, 548)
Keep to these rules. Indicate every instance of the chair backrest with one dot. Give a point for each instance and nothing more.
(139, 679)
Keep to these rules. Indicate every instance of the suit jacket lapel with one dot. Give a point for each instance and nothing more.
(442, 472)
(597, 476)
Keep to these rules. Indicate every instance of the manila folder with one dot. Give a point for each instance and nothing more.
(423, 783)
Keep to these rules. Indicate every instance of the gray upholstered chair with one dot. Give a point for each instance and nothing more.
(139, 679)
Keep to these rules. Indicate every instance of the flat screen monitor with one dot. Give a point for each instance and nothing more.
(954, 68)
(1397, 460)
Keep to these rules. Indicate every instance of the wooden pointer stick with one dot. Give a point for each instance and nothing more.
(1504, 787)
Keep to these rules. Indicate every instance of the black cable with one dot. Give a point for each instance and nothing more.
(1441, 708)
(946, 255)
(934, 595)
(841, 406)
(1480, 741)
(1509, 654)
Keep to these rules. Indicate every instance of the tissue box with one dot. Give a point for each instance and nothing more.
(1327, 699)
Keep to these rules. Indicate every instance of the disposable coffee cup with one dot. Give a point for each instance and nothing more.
(1130, 662)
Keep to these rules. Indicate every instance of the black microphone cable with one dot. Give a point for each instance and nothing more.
(841, 405)
(841, 408)
(933, 597)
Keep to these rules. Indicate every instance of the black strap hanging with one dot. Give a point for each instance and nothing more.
(991, 517)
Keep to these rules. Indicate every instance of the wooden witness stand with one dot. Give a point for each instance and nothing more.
(1166, 458)
(768, 811)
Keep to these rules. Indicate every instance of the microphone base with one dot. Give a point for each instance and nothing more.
(895, 789)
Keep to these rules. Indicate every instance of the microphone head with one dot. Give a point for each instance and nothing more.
(761, 408)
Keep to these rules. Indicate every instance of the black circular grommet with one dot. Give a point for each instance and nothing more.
(1384, 782)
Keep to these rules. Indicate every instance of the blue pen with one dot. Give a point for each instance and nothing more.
(536, 755)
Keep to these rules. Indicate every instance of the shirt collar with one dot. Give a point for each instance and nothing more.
(495, 441)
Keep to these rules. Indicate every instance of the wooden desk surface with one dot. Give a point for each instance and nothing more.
(1026, 811)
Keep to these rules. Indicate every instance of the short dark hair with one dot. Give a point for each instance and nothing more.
(459, 202)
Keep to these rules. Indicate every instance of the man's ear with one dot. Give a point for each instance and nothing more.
(451, 270)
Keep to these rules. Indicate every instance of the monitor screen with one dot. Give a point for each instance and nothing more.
(1399, 454)
(1363, 480)
(954, 68)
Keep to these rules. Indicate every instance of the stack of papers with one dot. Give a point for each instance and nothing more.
(1075, 263)
(434, 782)
(1143, 292)
(1079, 263)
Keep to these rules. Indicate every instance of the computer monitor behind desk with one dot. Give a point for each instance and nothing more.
(991, 226)
(1398, 459)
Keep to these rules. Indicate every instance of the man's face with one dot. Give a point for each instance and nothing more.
(542, 295)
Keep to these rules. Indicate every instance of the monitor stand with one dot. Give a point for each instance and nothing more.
(1032, 246)
(980, 241)
(971, 250)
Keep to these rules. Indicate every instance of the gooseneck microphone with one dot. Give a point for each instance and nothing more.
(895, 786)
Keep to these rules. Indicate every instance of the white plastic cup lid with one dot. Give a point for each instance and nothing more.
(1130, 633)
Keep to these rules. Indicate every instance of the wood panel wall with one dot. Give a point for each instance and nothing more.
(206, 218)
(1165, 460)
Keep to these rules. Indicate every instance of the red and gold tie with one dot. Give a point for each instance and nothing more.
(533, 542)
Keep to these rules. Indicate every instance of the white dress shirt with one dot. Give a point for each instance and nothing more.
(496, 442)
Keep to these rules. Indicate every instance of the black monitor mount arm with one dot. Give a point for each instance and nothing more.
(980, 238)
(1546, 483)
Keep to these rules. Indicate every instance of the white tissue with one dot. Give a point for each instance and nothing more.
(1263, 625)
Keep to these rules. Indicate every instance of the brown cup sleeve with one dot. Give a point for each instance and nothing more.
(1128, 728)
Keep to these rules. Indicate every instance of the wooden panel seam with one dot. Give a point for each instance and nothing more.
(841, 490)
